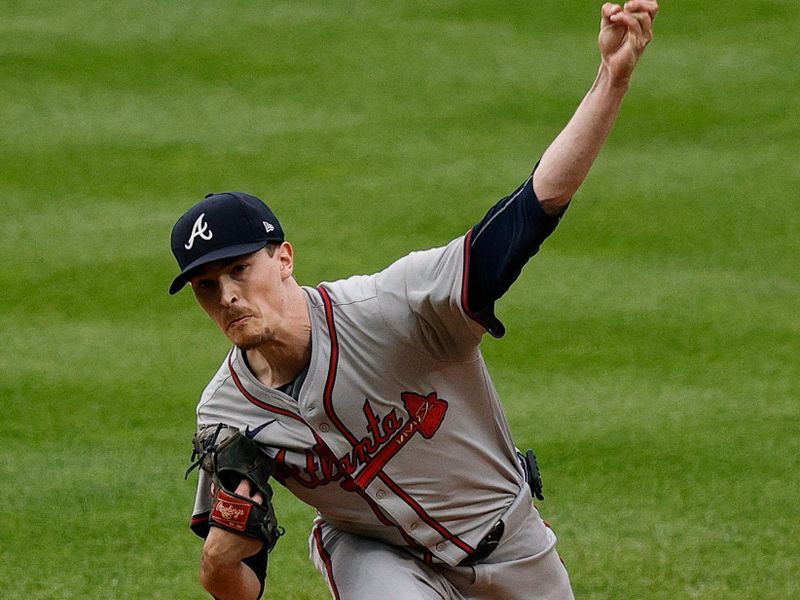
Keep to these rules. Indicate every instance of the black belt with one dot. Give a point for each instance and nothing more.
(492, 539)
(487, 545)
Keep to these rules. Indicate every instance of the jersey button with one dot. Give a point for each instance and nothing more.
(441, 546)
(380, 494)
(413, 526)
(324, 427)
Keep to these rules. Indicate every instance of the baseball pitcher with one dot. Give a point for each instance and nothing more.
(368, 397)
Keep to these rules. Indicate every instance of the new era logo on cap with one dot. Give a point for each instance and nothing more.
(221, 226)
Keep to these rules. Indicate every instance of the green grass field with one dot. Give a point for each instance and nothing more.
(652, 350)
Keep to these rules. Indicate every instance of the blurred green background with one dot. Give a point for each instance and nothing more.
(652, 350)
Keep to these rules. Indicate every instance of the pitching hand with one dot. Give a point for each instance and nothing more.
(624, 34)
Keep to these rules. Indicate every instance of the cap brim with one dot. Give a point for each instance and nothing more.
(229, 252)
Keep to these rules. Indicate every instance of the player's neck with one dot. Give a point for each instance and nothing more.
(279, 361)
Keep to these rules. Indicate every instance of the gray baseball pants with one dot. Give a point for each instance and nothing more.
(524, 566)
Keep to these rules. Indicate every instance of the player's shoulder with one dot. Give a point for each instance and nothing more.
(454, 248)
(216, 387)
(351, 290)
(427, 264)
(363, 287)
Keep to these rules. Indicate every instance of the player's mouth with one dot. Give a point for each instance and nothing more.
(237, 321)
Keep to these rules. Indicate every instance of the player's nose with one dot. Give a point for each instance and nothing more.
(229, 292)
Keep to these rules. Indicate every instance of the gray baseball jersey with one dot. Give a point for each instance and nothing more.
(397, 432)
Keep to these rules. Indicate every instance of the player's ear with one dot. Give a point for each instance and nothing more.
(286, 258)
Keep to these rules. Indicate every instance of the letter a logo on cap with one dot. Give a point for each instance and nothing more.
(200, 228)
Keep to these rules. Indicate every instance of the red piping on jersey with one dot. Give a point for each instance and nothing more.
(200, 518)
(256, 401)
(269, 407)
(465, 281)
(328, 402)
(410, 542)
(333, 366)
(433, 523)
(376, 509)
(326, 558)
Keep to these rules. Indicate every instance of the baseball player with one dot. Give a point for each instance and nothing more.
(369, 396)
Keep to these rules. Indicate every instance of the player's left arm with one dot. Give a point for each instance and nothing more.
(625, 32)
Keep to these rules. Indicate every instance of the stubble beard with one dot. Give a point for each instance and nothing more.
(249, 341)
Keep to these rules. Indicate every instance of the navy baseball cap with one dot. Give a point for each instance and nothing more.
(221, 226)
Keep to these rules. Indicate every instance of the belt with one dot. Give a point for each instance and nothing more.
(487, 545)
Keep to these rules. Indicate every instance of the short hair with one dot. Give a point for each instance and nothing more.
(271, 247)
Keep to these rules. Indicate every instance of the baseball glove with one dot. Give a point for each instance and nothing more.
(228, 456)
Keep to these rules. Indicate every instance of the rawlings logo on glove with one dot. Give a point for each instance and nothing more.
(230, 512)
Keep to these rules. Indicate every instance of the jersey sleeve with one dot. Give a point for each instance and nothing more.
(421, 297)
(445, 297)
(498, 248)
(202, 504)
(211, 410)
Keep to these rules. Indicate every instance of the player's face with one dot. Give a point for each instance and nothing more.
(245, 295)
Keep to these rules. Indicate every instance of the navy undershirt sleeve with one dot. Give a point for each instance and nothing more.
(499, 246)
(258, 564)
